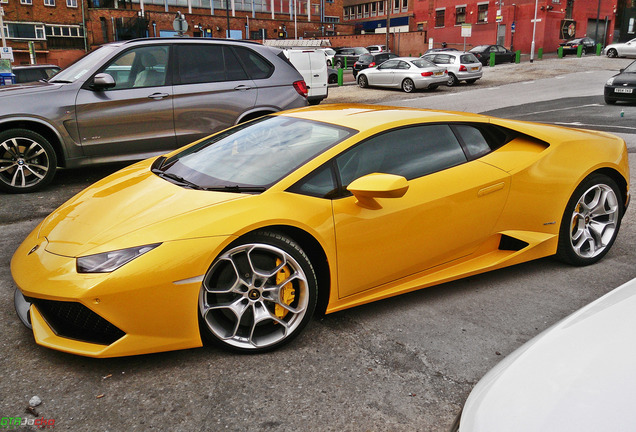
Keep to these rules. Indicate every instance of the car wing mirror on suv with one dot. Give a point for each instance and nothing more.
(103, 81)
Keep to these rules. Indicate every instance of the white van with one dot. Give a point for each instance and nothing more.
(312, 66)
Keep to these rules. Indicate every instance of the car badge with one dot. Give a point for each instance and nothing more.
(33, 249)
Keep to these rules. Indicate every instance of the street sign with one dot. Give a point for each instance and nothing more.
(180, 24)
(499, 17)
(6, 53)
(467, 30)
(536, 21)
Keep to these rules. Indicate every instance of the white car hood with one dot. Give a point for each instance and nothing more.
(579, 375)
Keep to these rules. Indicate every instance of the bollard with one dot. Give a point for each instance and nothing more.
(579, 51)
(345, 63)
(518, 56)
(340, 77)
(492, 59)
(560, 52)
(540, 53)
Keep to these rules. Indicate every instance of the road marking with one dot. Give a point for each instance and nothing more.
(592, 126)
(528, 82)
(560, 109)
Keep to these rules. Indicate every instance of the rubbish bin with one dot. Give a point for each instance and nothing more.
(7, 78)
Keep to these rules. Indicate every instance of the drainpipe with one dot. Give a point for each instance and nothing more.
(84, 27)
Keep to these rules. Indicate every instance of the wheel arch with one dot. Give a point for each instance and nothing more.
(316, 254)
(46, 130)
(618, 178)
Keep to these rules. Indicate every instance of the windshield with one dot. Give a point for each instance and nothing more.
(631, 68)
(252, 155)
(84, 64)
(423, 63)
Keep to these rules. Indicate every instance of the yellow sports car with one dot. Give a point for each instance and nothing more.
(239, 238)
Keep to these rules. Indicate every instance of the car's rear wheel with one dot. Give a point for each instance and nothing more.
(27, 161)
(612, 53)
(408, 86)
(591, 221)
(363, 82)
(452, 80)
(338, 64)
(259, 294)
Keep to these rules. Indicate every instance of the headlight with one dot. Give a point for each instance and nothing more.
(610, 81)
(110, 261)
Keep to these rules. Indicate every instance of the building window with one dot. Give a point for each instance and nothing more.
(332, 19)
(71, 3)
(482, 13)
(460, 15)
(26, 2)
(24, 31)
(366, 10)
(439, 17)
(381, 8)
(396, 6)
(359, 11)
(49, 2)
(405, 5)
(374, 9)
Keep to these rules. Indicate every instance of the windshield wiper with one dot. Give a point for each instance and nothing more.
(236, 188)
(178, 179)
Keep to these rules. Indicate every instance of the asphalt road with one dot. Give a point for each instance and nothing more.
(402, 364)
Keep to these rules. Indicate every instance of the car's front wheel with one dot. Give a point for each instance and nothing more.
(591, 221)
(27, 161)
(363, 82)
(408, 86)
(259, 294)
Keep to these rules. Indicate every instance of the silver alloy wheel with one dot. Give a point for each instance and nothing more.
(408, 86)
(612, 53)
(594, 221)
(254, 296)
(23, 162)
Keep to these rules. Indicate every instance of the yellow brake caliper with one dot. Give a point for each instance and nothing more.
(288, 293)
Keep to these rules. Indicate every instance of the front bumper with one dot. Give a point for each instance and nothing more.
(618, 93)
(148, 305)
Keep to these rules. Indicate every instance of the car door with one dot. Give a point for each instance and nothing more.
(383, 74)
(211, 89)
(135, 116)
(449, 210)
(629, 48)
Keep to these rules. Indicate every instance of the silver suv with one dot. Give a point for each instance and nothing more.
(131, 100)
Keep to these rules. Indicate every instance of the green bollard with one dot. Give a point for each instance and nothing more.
(518, 56)
(560, 52)
(579, 51)
(599, 49)
(345, 65)
(340, 77)
(540, 53)
(492, 59)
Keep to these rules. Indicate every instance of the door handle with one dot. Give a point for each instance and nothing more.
(316, 76)
(157, 96)
(490, 189)
(242, 87)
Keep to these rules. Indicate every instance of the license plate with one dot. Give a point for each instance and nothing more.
(439, 73)
(474, 68)
(622, 90)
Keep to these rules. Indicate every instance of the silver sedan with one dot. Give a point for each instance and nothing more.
(407, 73)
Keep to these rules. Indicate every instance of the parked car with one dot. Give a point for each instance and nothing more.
(329, 53)
(313, 68)
(434, 50)
(407, 73)
(576, 376)
(461, 66)
(622, 87)
(350, 55)
(241, 236)
(572, 46)
(376, 48)
(371, 60)
(502, 54)
(332, 75)
(32, 73)
(624, 49)
(133, 99)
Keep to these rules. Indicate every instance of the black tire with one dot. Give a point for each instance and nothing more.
(27, 161)
(339, 64)
(333, 79)
(230, 288)
(452, 80)
(432, 87)
(591, 221)
(363, 82)
(612, 53)
(408, 86)
(471, 81)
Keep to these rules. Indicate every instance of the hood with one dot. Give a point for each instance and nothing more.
(119, 205)
(576, 376)
(27, 88)
(625, 78)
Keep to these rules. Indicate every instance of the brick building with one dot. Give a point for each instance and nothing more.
(60, 31)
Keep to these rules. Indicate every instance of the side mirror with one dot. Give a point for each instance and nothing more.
(103, 81)
(377, 185)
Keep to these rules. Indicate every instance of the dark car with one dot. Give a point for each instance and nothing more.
(622, 87)
(502, 54)
(31, 73)
(350, 55)
(371, 60)
(572, 46)
(131, 100)
(332, 76)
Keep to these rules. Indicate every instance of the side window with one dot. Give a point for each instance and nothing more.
(199, 63)
(256, 66)
(140, 67)
(474, 140)
(389, 64)
(410, 152)
(442, 59)
(404, 65)
(319, 184)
